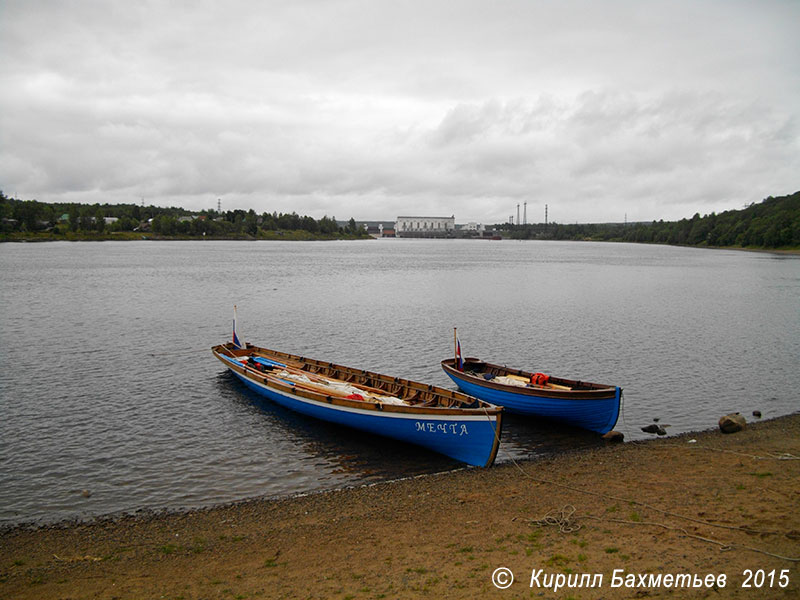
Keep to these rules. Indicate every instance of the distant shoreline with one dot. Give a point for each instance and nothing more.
(289, 236)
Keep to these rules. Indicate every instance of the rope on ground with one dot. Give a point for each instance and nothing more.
(642, 504)
(78, 558)
(723, 546)
(622, 412)
(561, 518)
(772, 455)
(665, 512)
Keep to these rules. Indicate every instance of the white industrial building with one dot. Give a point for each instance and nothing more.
(479, 227)
(425, 226)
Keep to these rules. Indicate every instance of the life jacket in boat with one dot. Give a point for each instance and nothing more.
(540, 379)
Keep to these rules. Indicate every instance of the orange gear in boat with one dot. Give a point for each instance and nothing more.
(540, 379)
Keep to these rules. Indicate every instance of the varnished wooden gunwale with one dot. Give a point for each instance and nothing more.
(581, 390)
(424, 399)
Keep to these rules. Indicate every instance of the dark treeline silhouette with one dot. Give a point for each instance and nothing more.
(74, 220)
(773, 223)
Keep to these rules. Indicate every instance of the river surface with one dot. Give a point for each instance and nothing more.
(110, 400)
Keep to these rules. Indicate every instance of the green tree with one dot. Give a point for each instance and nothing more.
(309, 224)
(328, 225)
(99, 221)
(251, 223)
(269, 222)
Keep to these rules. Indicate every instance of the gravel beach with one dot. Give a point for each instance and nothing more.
(624, 521)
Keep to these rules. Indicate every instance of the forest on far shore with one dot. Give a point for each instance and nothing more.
(772, 224)
(33, 220)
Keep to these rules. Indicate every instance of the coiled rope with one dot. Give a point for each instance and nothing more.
(563, 518)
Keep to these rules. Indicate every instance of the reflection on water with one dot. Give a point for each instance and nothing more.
(528, 438)
(133, 409)
(351, 455)
(363, 457)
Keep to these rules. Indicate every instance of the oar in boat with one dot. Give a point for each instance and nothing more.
(319, 383)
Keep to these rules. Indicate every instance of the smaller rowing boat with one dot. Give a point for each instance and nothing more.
(445, 421)
(592, 406)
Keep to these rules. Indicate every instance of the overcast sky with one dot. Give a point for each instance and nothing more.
(374, 109)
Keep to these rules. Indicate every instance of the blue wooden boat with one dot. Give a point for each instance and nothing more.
(445, 421)
(592, 406)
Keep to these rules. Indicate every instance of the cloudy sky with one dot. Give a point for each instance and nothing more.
(372, 109)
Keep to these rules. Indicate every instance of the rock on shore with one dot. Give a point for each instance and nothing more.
(732, 423)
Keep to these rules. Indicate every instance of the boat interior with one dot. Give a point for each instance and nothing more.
(519, 378)
(345, 382)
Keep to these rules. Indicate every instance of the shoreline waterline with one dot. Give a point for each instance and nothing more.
(503, 460)
(785, 251)
(665, 505)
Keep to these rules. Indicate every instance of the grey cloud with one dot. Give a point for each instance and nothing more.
(371, 109)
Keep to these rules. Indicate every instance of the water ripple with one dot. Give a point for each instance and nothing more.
(111, 400)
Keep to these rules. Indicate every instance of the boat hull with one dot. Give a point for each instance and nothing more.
(596, 409)
(469, 436)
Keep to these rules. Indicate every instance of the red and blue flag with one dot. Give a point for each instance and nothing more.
(236, 339)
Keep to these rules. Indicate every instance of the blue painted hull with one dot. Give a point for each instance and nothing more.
(595, 410)
(471, 437)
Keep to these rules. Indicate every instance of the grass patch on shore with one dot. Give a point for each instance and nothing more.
(558, 560)
(198, 547)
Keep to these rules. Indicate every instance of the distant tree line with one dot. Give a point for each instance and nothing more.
(73, 220)
(773, 223)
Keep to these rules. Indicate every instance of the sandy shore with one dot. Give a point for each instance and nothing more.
(717, 507)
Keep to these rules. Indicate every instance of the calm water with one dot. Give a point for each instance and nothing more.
(107, 383)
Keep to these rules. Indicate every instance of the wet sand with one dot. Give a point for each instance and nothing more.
(649, 513)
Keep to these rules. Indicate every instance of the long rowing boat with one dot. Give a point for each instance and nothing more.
(445, 421)
(592, 406)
